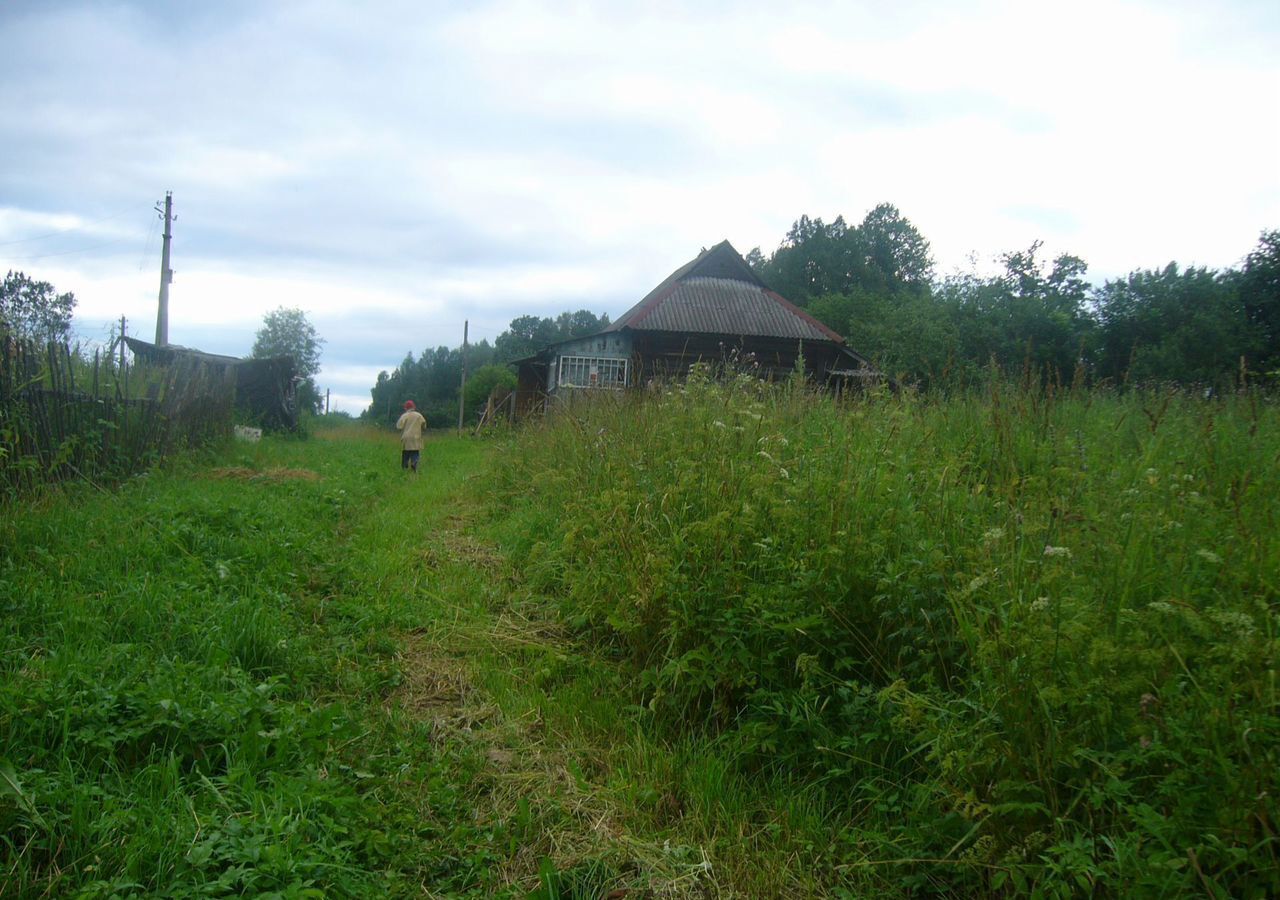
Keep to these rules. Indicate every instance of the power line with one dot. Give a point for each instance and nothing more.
(67, 252)
(40, 237)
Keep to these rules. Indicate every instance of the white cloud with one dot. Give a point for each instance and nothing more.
(418, 166)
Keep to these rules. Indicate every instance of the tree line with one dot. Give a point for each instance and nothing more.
(874, 284)
(431, 379)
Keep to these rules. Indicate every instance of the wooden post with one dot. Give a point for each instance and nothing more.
(462, 388)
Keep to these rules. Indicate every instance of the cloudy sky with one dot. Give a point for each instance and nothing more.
(396, 168)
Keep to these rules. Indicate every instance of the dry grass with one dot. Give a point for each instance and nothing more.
(279, 473)
(531, 773)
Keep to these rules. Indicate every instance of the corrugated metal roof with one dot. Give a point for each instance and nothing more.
(717, 293)
(730, 307)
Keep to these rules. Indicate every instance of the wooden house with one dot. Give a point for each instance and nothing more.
(713, 309)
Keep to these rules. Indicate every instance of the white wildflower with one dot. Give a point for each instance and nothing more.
(1040, 603)
(993, 534)
(765, 454)
(223, 572)
(1057, 551)
(1209, 556)
(1240, 623)
(718, 424)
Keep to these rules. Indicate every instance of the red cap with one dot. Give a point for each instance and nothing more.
(408, 404)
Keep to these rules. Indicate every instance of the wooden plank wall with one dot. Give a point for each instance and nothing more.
(64, 414)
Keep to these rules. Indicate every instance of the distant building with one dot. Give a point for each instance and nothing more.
(712, 309)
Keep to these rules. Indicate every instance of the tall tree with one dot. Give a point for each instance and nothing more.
(288, 332)
(895, 249)
(33, 310)
(1171, 324)
(1259, 287)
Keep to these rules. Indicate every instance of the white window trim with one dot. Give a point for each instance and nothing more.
(583, 364)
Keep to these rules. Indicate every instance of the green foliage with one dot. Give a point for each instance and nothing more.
(288, 332)
(194, 678)
(1259, 288)
(885, 255)
(1020, 640)
(32, 310)
(482, 383)
(431, 381)
(873, 284)
(529, 334)
(1171, 325)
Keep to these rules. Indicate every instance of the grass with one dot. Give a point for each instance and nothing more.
(724, 640)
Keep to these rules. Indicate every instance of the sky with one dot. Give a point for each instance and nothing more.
(395, 169)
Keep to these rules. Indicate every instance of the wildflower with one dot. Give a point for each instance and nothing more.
(765, 454)
(1040, 603)
(718, 424)
(993, 534)
(1240, 623)
(1057, 551)
(223, 572)
(783, 472)
(1209, 556)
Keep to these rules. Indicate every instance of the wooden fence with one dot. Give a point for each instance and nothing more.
(66, 415)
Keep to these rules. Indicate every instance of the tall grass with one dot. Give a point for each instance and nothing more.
(1014, 639)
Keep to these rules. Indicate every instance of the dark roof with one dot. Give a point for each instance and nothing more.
(717, 293)
(167, 353)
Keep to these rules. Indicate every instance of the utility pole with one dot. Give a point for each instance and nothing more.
(462, 389)
(122, 343)
(166, 274)
(326, 401)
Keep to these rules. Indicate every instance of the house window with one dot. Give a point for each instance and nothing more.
(592, 372)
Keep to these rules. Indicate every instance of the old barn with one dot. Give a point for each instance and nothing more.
(712, 309)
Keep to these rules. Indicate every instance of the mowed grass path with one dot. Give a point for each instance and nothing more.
(293, 670)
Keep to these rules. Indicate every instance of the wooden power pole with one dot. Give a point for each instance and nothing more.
(462, 388)
(166, 274)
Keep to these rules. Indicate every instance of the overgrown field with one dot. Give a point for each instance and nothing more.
(717, 640)
(1000, 642)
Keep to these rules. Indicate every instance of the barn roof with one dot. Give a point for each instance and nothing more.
(717, 293)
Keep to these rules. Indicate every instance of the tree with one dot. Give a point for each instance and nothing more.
(1171, 324)
(32, 310)
(896, 249)
(884, 255)
(528, 334)
(1259, 287)
(482, 383)
(288, 332)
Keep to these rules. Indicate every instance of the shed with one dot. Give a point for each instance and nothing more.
(265, 389)
(712, 309)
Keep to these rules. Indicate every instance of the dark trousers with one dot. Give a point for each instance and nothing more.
(409, 459)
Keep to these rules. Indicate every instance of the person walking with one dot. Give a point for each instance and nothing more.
(410, 425)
